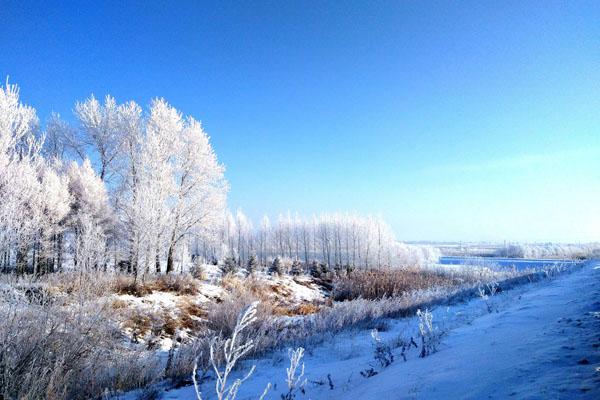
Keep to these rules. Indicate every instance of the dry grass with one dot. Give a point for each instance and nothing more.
(306, 309)
(73, 350)
(182, 284)
(191, 315)
(138, 324)
(274, 296)
(378, 284)
(118, 304)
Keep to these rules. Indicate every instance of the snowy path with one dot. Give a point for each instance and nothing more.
(536, 347)
(530, 350)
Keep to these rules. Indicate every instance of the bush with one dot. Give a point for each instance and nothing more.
(198, 271)
(296, 268)
(252, 265)
(74, 351)
(177, 283)
(229, 266)
(315, 269)
(275, 268)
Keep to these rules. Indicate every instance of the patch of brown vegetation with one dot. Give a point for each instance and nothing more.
(252, 286)
(377, 284)
(139, 324)
(191, 315)
(281, 290)
(128, 285)
(118, 304)
(306, 309)
(169, 325)
(182, 284)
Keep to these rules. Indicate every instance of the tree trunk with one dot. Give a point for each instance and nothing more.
(59, 251)
(170, 259)
(21, 259)
(157, 260)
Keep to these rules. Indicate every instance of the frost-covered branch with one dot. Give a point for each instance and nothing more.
(232, 350)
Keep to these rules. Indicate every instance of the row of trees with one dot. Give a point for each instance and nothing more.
(121, 188)
(549, 250)
(143, 191)
(331, 239)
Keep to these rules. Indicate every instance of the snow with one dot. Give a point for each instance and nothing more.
(299, 289)
(543, 343)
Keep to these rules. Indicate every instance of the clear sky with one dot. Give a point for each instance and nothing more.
(455, 120)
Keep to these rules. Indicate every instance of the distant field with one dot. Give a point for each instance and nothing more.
(518, 263)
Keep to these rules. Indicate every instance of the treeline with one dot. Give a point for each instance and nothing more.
(143, 192)
(336, 240)
(550, 250)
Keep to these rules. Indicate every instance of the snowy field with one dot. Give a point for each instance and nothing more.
(540, 342)
(503, 262)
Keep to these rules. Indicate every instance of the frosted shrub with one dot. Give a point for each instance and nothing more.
(252, 265)
(430, 335)
(53, 350)
(295, 379)
(382, 354)
(230, 351)
(486, 293)
(296, 268)
(265, 331)
(229, 266)
(554, 270)
(198, 270)
(276, 267)
(383, 351)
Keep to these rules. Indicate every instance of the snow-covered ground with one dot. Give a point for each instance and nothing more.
(543, 343)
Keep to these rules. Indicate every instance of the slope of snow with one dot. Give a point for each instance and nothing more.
(542, 343)
(535, 348)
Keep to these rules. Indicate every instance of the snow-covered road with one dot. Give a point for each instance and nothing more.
(542, 344)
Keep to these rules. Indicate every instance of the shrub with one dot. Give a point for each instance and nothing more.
(252, 265)
(382, 351)
(198, 271)
(74, 351)
(229, 352)
(296, 268)
(183, 284)
(229, 266)
(315, 269)
(275, 268)
(430, 335)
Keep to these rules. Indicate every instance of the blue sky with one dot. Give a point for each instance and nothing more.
(454, 120)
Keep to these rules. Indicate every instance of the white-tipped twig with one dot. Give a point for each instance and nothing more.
(233, 351)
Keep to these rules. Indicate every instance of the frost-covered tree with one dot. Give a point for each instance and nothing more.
(243, 236)
(55, 206)
(263, 239)
(199, 187)
(342, 241)
(20, 188)
(100, 125)
(61, 141)
(174, 188)
(90, 216)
